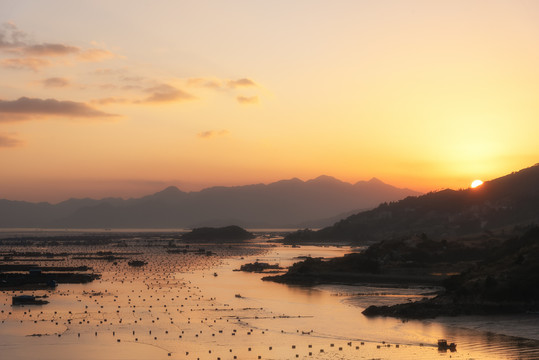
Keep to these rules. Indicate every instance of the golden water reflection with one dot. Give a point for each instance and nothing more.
(184, 306)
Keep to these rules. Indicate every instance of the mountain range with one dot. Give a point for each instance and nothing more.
(505, 202)
(286, 203)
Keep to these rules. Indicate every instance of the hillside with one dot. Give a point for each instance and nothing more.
(505, 281)
(284, 203)
(506, 201)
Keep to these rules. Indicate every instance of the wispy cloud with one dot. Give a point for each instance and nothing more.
(49, 50)
(29, 53)
(206, 83)
(247, 100)
(163, 93)
(9, 141)
(131, 79)
(108, 72)
(28, 108)
(111, 100)
(11, 36)
(212, 133)
(166, 93)
(25, 63)
(94, 55)
(55, 82)
(240, 83)
(220, 84)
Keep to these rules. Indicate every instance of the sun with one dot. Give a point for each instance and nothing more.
(476, 183)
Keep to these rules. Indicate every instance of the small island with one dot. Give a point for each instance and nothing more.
(259, 267)
(312, 271)
(231, 233)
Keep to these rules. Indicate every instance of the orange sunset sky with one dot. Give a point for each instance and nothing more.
(123, 98)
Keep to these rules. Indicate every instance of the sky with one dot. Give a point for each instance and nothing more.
(123, 98)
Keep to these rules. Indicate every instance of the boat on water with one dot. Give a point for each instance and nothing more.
(444, 346)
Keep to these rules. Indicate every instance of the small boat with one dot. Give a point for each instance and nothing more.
(444, 346)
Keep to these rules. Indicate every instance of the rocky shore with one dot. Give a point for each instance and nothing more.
(447, 306)
(507, 281)
(497, 277)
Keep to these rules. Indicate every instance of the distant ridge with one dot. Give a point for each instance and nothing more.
(285, 203)
(510, 200)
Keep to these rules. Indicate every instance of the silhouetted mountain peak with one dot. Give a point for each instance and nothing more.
(280, 203)
(373, 182)
(325, 179)
(74, 200)
(376, 181)
(170, 192)
(508, 201)
(292, 181)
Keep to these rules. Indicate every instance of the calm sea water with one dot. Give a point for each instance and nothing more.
(186, 306)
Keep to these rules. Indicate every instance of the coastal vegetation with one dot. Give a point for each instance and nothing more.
(505, 281)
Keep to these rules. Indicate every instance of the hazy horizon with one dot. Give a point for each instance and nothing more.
(150, 188)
